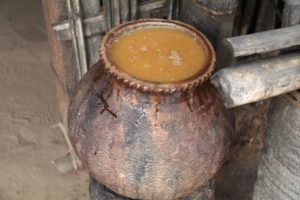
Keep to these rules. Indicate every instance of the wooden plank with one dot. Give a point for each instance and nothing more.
(254, 81)
(264, 42)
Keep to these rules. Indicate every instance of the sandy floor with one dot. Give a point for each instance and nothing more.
(28, 114)
(28, 111)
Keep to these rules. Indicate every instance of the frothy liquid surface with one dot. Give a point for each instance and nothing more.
(158, 54)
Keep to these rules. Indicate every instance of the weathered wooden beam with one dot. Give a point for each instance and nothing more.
(264, 41)
(254, 81)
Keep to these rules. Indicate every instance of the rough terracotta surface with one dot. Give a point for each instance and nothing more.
(148, 146)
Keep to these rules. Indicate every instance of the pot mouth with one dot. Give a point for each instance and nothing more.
(198, 78)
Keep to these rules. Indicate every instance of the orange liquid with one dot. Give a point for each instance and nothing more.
(158, 54)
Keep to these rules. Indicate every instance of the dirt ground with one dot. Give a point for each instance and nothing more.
(29, 114)
(28, 111)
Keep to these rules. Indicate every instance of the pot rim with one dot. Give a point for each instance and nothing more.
(169, 87)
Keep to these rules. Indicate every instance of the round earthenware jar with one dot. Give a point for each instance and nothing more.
(148, 140)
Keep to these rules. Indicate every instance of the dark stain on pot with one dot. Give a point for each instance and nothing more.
(141, 166)
(102, 101)
(213, 136)
(90, 113)
(176, 178)
(135, 124)
(206, 99)
(189, 98)
(118, 94)
(95, 149)
(188, 103)
(199, 96)
(137, 130)
(157, 102)
(171, 128)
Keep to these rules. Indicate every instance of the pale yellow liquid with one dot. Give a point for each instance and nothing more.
(158, 54)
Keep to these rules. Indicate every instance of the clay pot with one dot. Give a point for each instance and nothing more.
(145, 140)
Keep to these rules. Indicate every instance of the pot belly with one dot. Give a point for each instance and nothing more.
(147, 149)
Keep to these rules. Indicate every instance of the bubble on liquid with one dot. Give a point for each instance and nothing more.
(161, 57)
(143, 48)
(175, 58)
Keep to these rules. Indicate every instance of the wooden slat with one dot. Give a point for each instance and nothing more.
(264, 42)
(254, 81)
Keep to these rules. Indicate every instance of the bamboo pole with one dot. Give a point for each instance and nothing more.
(91, 8)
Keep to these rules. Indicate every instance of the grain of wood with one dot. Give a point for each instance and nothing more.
(254, 81)
(263, 42)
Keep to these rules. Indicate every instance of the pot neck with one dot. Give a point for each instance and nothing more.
(176, 88)
(127, 92)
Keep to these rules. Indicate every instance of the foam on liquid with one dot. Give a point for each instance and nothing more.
(158, 54)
